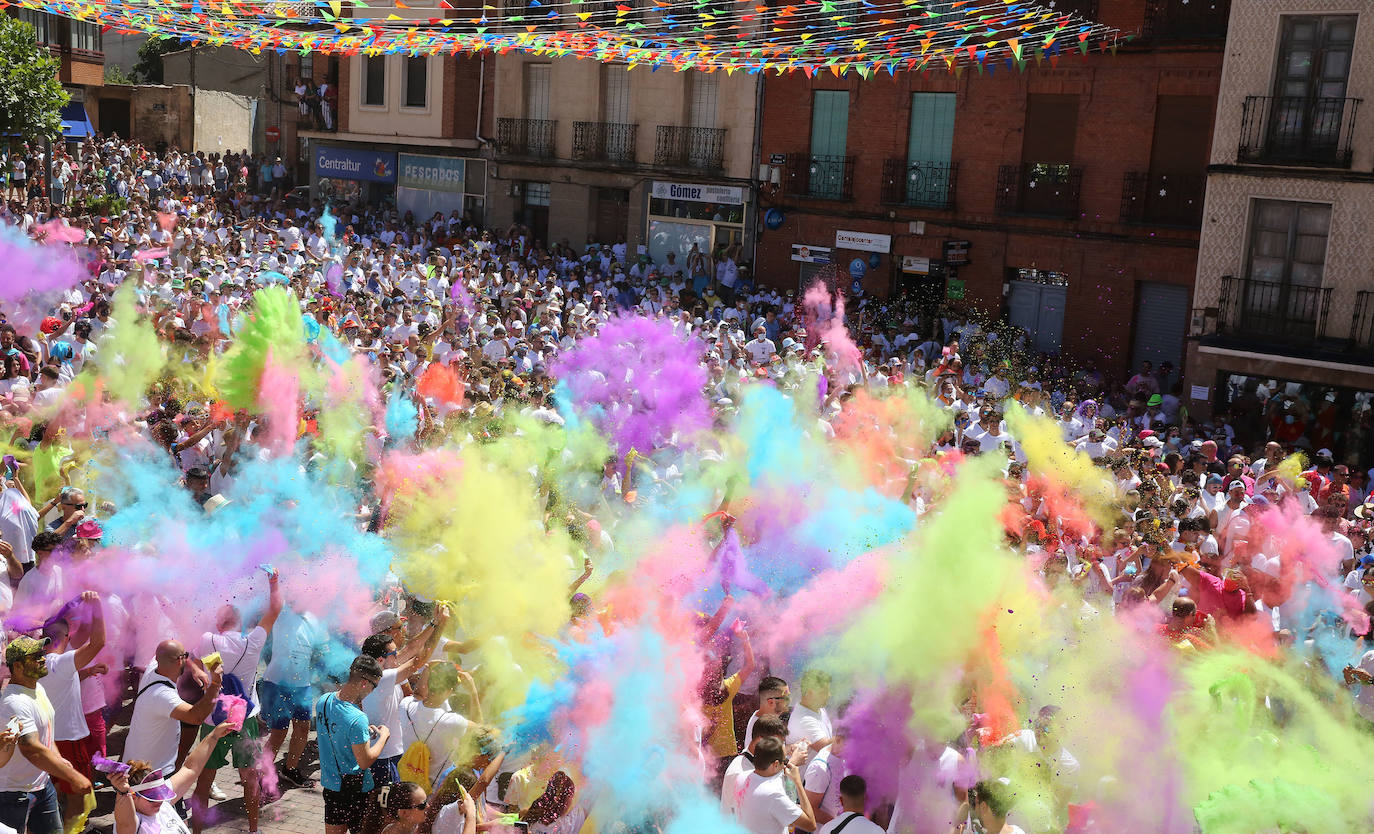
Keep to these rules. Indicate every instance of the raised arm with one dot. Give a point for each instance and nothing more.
(85, 655)
(274, 602)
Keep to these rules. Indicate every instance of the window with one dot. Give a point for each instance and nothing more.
(615, 94)
(1310, 85)
(85, 37)
(1051, 122)
(702, 92)
(417, 81)
(930, 142)
(1288, 242)
(536, 194)
(1283, 295)
(308, 66)
(39, 22)
(374, 81)
(537, 77)
(828, 170)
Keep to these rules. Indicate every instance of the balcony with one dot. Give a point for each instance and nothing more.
(1163, 199)
(1040, 189)
(1275, 313)
(604, 142)
(1297, 130)
(924, 184)
(819, 177)
(690, 148)
(1186, 20)
(1362, 321)
(530, 138)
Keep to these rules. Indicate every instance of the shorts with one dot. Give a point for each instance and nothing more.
(245, 745)
(79, 753)
(345, 808)
(283, 704)
(385, 771)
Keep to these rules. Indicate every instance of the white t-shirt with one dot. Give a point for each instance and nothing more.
(809, 726)
(18, 523)
(450, 819)
(166, 821)
(383, 708)
(240, 655)
(153, 732)
(33, 712)
(733, 784)
(569, 823)
(441, 729)
(764, 806)
(63, 685)
(822, 776)
(860, 825)
(293, 642)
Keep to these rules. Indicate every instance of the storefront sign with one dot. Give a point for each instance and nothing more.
(810, 254)
(913, 265)
(350, 164)
(954, 289)
(433, 173)
(699, 192)
(956, 252)
(863, 241)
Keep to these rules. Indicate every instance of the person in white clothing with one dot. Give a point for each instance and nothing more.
(822, 777)
(429, 720)
(28, 800)
(773, 698)
(63, 685)
(239, 657)
(732, 784)
(853, 796)
(810, 723)
(146, 806)
(764, 806)
(383, 704)
(989, 803)
(155, 726)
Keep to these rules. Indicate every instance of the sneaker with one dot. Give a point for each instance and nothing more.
(217, 794)
(295, 777)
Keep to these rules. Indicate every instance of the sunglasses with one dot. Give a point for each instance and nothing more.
(184, 656)
(80, 506)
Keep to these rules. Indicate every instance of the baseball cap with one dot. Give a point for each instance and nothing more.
(23, 647)
(385, 621)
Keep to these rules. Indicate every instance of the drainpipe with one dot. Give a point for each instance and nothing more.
(481, 88)
(753, 173)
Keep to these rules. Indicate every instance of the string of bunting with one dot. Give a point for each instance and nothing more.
(752, 36)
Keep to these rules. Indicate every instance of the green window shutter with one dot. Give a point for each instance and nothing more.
(829, 122)
(932, 128)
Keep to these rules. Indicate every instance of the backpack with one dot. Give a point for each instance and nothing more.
(414, 763)
(231, 684)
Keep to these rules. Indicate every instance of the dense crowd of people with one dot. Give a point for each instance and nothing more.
(1205, 530)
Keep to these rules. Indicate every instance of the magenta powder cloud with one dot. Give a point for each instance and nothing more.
(639, 382)
(34, 268)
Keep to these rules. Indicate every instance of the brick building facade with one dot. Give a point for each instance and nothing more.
(1073, 189)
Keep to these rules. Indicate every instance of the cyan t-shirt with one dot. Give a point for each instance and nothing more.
(339, 725)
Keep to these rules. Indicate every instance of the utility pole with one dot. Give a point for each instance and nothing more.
(193, 100)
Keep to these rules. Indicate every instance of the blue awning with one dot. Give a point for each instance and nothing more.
(75, 123)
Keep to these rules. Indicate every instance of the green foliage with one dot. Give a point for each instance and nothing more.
(31, 97)
(106, 205)
(148, 70)
(115, 74)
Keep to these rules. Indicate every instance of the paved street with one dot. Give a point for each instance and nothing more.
(296, 811)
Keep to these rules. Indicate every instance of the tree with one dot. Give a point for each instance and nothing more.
(31, 96)
(148, 70)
